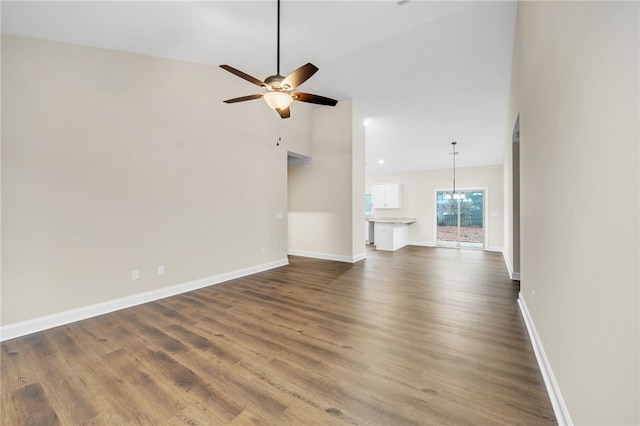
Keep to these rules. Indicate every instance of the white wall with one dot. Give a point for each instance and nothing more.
(576, 88)
(511, 211)
(113, 162)
(419, 199)
(323, 196)
(358, 162)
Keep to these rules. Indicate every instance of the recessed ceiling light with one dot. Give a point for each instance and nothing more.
(380, 161)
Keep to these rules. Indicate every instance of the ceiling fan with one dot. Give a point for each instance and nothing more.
(279, 90)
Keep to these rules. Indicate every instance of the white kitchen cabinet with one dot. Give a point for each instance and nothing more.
(391, 236)
(377, 196)
(386, 196)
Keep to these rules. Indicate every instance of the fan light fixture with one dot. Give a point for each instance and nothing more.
(278, 100)
(455, 195)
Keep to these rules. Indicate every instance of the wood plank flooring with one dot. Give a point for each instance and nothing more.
(426, 336)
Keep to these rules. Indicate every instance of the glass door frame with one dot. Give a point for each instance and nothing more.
(485, 221)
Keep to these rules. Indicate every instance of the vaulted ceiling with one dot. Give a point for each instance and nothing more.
(423, 73)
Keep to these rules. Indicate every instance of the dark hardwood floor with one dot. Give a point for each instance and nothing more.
(425, 336)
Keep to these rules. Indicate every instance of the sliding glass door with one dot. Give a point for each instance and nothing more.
(460, 219)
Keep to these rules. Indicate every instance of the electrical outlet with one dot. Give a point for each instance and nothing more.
(160, 270)
(135, 274)
(262, 251)
(279, 216)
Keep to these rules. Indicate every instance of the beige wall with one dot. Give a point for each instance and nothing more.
(323, 195)
(113, 162)
(576, 73)
(419, 199)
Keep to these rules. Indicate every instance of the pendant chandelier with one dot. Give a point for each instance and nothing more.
(454, 195)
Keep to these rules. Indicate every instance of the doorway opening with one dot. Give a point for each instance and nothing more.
(515, 272)
(460, 220)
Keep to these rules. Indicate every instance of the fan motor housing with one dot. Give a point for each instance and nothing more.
(274, 82)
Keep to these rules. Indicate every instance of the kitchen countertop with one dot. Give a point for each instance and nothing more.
(406, 220)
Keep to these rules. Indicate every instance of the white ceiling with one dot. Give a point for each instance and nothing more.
(424, 73)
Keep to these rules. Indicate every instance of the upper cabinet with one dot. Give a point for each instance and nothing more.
(386, 196)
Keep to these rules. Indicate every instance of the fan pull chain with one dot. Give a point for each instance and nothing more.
(279, 134)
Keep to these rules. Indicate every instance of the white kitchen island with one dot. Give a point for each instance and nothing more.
(390, 233)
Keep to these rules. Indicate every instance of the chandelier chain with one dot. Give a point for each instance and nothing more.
(454, 153)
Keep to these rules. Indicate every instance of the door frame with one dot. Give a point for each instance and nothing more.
(485, 215)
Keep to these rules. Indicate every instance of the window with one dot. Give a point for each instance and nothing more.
(368, 205)
(460, 222)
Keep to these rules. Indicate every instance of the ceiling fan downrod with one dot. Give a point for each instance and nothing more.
(278, 40)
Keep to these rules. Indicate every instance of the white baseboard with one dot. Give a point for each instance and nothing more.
(513, 275)
(327, 256)
(507, 262)
(359, 257)
(428, 244)
(23, 328)
(559, 407)
(421, 244)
